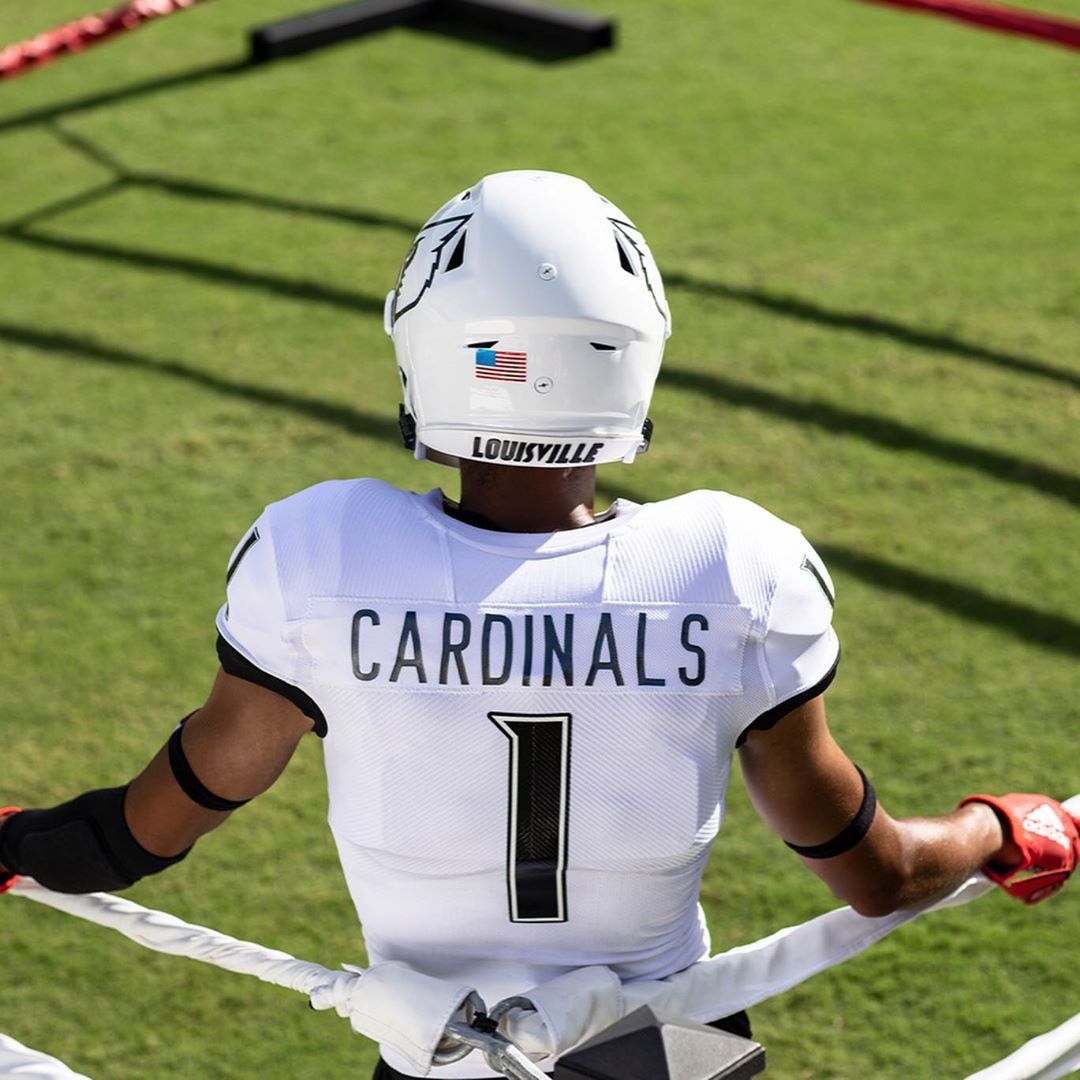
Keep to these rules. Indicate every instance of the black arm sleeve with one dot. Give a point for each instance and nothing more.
(80, 846)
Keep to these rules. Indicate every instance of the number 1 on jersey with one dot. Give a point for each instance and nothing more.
(539, 801)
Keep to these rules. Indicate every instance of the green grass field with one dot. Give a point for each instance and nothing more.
(869, 224)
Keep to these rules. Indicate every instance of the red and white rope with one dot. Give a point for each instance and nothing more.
(1057, 29)
(74, 37)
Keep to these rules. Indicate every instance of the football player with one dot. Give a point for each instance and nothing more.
(530, 709)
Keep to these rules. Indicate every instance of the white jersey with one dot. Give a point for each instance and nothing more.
(528, 737)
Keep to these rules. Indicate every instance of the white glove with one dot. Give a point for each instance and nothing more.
(395, 1006)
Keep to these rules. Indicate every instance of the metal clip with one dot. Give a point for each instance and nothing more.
(481, 1033)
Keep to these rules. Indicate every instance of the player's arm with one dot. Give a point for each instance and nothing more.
(813, 797)
(234, 747)
(225, 754)
(809, 792)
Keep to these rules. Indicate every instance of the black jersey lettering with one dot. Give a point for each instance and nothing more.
(605, 655)
(410, 651)
(698, 677)
(363, 674)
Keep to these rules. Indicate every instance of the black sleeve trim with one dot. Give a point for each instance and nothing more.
(851, 834)
(189, 783)
(234, 663)
(245, 547)
(777, 713)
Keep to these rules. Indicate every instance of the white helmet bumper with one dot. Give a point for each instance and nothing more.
(529, 321)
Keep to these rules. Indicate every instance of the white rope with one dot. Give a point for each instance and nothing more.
(750, 972)
(1046, 1057)
(835, 937)
(575, 1007)
(745, 975)
(21, 1062)
(167, 934)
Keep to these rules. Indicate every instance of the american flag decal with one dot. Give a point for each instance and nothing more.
(501, 365)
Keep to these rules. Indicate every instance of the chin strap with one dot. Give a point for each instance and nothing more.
(407, 426)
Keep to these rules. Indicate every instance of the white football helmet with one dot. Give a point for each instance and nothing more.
(529, 320)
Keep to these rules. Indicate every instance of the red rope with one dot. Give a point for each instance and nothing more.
(1059, 30)
(75, 36)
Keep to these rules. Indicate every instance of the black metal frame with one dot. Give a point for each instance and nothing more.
(537, 26)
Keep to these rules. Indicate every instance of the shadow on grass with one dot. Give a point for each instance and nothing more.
(834, 419)
(486, 38)
(891, 434)
(786, 306)
(190, 77)
(22, 231)
(125, 178)
(1048, 631)
(1032, 626)
(1036, 627)
(276, 285)
(793, 307)
(352, 420)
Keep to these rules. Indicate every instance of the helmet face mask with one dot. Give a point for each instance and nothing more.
(529, 321)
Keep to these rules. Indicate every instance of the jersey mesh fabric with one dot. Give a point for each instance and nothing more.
(529, 736)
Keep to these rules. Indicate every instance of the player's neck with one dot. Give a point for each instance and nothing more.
(521, 499)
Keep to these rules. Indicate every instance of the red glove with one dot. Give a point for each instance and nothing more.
(7, 878)
(1048, 837)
